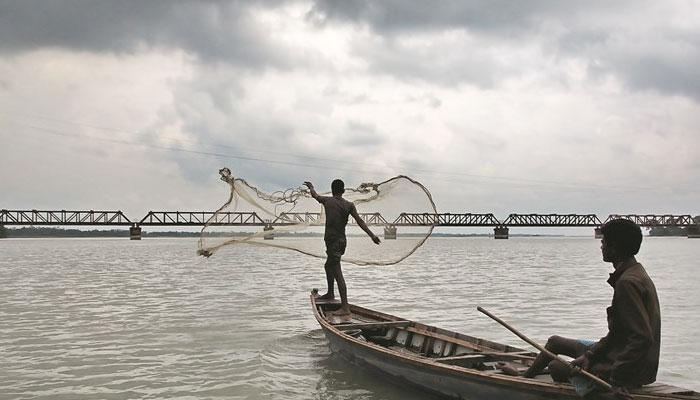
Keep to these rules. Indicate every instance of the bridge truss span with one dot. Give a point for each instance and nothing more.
(650, 220)
(553, 220)
(199, 218)
(63, 217)
(286, 218)
(445, 219)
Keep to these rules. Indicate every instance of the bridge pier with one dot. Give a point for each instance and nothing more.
(389, 232)
(268, 228)
(500, 232)
(597, 233)
(693, 231)
(135, 232)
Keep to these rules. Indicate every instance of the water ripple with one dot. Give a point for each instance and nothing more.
(119, 319)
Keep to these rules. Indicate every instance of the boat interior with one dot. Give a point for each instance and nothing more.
(436, 345)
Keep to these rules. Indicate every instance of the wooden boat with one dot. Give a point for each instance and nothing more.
(447, 363)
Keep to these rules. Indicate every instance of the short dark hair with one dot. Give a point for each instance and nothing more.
(624, 235)
(338, 187)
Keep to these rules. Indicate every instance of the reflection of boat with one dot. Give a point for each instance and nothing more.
(446, 362)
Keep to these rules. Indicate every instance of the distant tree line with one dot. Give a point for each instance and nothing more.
(668, 231)
(40, 232)
(32, 231)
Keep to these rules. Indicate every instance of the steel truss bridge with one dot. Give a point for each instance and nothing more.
(201, 218)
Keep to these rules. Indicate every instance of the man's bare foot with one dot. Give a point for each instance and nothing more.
(327, 296)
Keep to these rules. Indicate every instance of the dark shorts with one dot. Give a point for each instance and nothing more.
(335, 247)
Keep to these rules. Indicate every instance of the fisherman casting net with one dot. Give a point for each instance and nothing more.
(399, 210)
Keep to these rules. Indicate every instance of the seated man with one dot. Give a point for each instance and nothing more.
(628, 356)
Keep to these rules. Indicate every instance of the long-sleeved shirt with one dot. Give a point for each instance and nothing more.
(630, 350)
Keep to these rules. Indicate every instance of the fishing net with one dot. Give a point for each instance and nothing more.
(399, 210)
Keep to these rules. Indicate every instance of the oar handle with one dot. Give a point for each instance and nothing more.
(587, 374)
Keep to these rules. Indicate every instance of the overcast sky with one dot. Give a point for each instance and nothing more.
(495, 106)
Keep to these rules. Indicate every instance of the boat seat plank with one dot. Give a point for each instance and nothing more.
(515, 355)
(324, 301)
(462, 357)
(520, 355)
(450, 339)
(373, 325)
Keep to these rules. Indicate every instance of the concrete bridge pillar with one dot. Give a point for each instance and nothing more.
(597, 233)
(389, 232)
(693, 231)
(500, 232)
(270, 235)
(135, 232)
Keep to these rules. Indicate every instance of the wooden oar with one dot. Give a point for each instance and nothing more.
(598, 381)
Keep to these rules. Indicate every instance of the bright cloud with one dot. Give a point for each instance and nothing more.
(495, 106)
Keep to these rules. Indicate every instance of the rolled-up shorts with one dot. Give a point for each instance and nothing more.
(335, 247)
(581, 384)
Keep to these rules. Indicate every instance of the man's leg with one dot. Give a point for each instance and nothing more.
(557, 345)
(569, 347)
(330, 273)
(338, 274)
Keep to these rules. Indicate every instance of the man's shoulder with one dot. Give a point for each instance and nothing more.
(349, 205)
(635, 272)
(342, 201)
(635, 276)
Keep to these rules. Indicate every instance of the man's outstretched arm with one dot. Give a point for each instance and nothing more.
(312, 190)
(362, 225)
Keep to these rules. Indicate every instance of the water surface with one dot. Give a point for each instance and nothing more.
(112, 318)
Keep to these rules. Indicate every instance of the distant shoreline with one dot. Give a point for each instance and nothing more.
(49, 232)
(41, 232)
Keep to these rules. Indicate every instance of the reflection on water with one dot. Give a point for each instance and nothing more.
(110, 318)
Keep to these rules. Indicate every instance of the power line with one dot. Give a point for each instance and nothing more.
(518, 181)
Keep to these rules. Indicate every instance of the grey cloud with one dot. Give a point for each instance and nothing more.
(585, 31)
(430, 64)
(415, 162)
(665, 73)
(209, 30)
(498, 17)
(362, 135)
(660, 59)
(255, 143)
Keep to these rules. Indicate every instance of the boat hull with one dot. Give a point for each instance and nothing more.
(435, 380)
(448, 363)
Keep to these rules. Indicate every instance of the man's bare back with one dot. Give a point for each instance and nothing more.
(337, 210)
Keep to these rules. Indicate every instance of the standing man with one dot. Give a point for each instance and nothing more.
(628, 356)
(337, 210)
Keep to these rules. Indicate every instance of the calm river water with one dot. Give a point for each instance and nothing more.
(113, 318)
